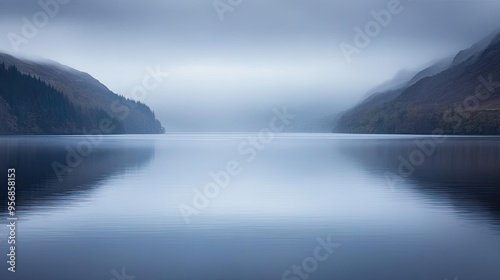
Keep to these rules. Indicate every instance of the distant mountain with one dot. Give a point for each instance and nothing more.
(406, 78)
(456, 95)
(82, 90)
(317, 125)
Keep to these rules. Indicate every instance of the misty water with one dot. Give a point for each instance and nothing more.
(117, 213)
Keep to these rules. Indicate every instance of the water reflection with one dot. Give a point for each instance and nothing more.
(120, 208)
(463, 169)
(35, 159)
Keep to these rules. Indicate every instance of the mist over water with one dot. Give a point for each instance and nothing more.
(238, 188)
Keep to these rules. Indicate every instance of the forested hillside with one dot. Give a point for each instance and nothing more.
(88, 93)
(30, 106)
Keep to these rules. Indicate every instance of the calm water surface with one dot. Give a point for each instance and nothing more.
(116, 214)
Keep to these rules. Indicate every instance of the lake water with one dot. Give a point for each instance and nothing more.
(301, 206)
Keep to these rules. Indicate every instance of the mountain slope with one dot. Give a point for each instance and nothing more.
(30, 106)
(83, 90)
(458, 100)
(406, 78)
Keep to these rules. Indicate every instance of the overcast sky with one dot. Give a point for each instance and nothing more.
(227, 73)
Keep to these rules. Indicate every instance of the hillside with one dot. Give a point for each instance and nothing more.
(460, 99)
(30, 106)
(84, 91)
